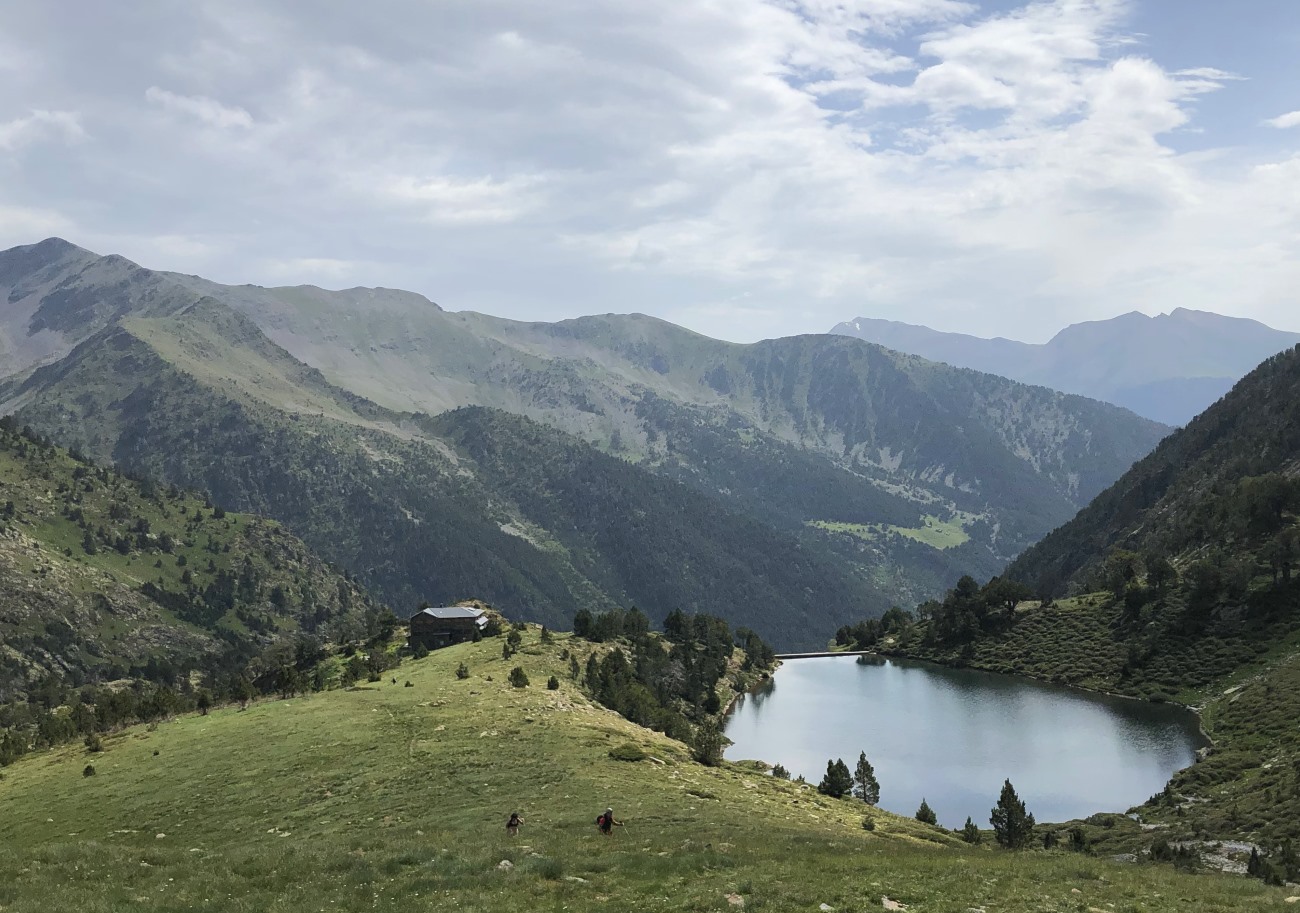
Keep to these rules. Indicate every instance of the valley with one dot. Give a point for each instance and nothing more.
(384, 430)
(388, 797)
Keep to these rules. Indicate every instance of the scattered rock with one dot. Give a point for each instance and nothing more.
(1124, 857)
(1075, 891)
(736, 901)
(505, 865)
(575, 879)
(892, 904)
(1295, 899)
(826, 908)
(159, 836)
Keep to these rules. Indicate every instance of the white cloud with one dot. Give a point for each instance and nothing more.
(309, 270)
(1285, 121)
(797, 160)
(473, 201)
(40, 126)
(208, 110)
(27, 225)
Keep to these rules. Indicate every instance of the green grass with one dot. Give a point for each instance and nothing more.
(934, 531)
(388, 797)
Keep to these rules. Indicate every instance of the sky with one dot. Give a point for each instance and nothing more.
(745, 168)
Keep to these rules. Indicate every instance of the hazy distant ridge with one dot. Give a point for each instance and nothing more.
(1168, 368)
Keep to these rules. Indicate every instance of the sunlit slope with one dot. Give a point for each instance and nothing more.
(394, 797)
(101, 574)
(429, 509)
(1023, 458)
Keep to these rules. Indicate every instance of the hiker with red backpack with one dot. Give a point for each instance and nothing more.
(605, 822)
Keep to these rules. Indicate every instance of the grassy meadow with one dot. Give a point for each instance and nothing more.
(388, 797)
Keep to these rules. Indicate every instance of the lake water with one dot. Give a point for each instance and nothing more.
(952, 736)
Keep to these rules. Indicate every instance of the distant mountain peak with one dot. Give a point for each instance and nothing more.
(1168, 367)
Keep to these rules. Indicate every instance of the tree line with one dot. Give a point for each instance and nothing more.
(672, 683)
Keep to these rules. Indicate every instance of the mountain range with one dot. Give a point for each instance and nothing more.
(1168, 368)
(790, 485)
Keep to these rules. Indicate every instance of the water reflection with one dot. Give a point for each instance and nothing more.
(952, 736)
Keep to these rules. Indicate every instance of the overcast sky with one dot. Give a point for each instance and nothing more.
(747, 168)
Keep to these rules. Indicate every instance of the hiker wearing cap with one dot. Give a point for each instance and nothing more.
(605, 822)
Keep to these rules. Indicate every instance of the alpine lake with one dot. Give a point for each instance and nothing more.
(951, 736)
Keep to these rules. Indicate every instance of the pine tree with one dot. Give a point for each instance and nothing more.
(865, 785)
(1012, 825)
(970, 833)
(838, 781)
(1255, 866)
(925, 814)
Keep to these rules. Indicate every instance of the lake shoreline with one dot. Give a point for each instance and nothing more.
(928, 723)
(1195, 711)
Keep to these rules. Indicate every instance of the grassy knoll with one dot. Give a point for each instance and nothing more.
(934, 531)
(389, 797)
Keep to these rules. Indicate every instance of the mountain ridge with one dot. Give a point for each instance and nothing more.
(1168, 367)
(297, 384)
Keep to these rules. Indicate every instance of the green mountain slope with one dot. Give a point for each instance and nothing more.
(1166, 503)
(889, 475)
(473, 501)
(103, 577)
(393, 798)
(1025, 457)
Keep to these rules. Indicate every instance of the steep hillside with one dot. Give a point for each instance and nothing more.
(103, 577)
(888, 475)
(1001, 461)
(425, 509)
(1201, 487)
(1168, 368)
(388, 797)
(1182, 581)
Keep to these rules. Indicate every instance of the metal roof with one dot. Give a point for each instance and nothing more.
(455, 611)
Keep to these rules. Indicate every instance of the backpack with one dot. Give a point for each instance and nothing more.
(600, 820)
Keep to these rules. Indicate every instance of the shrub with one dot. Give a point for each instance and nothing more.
(462, 672)
(88, 770)
(518, 677)
(553, 684)
(94, 743)
(627, 752)
(550, 869)
(868, 823)
(780, 772)
(707, 745)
